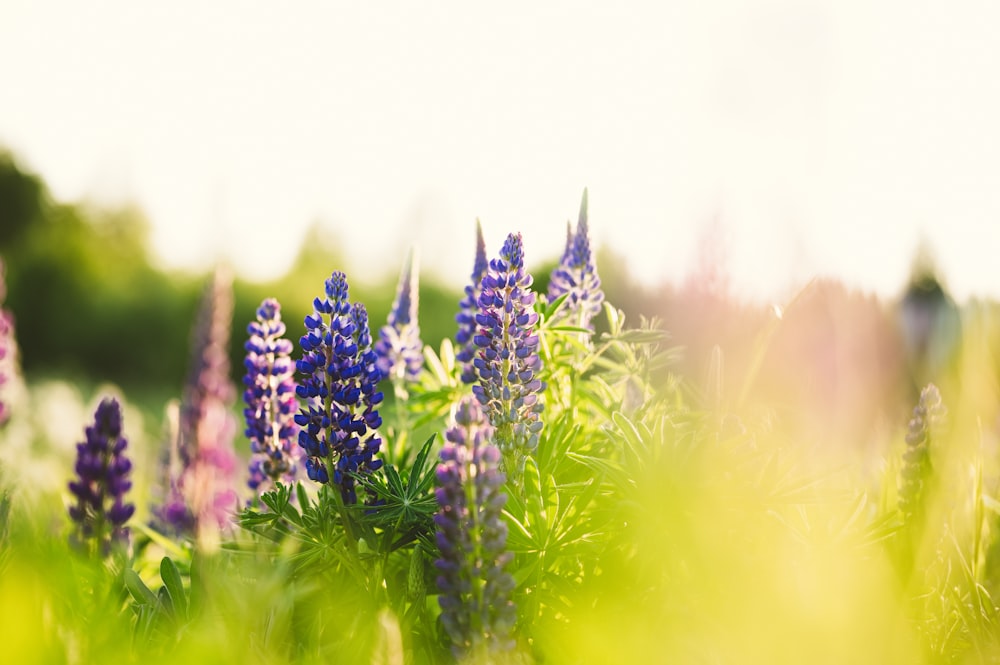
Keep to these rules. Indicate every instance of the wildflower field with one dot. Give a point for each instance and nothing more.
(544, 486)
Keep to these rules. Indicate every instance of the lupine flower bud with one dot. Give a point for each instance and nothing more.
(576, 275)
(507, 362)
(468, 307)
(476, 607)
(399, 349)
(928, 414)
(340, 419)
(102, 480)
(270, 399)
(201, 498)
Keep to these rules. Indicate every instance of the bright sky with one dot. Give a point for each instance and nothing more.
(824, 137)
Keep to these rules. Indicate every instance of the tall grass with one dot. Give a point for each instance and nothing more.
(660, 519)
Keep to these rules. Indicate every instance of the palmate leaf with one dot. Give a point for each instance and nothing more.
(554, 530)
(274, 523)
(405, 503)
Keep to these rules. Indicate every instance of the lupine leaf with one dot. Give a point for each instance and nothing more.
(172, 583)
(138, 589)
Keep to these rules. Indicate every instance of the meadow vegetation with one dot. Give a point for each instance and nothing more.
(542, 465)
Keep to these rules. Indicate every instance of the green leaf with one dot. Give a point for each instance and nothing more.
(166, 603)
(138, 589)
(418, 481)
(572, 329)
(550, 308)
(175, 587)
(393, 481)
(631, 434)
(303, 496)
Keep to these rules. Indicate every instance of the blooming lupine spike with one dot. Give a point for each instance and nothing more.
(340, 419)
(576, 275)
(468, 307)
(270, 400)
(927, 415)
(201, 498)
(399, 349)
(102, 481)
(507, 361)
(8, 349)
(476, 607)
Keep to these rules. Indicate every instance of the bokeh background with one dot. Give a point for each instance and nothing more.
(815, 162)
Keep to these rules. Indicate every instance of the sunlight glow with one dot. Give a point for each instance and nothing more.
(827, 138)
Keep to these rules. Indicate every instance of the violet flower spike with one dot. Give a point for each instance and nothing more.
(468, 307)
(576, 275)
(399, 349)
(201, 499)
(476, 607)
(102, 481)
(915, 474)
(8, 349)
(7, 354)
(270, 400)
(507, 361)
(339, 419)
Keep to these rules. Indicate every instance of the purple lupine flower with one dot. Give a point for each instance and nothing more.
(201, 498)
(507, 361)
(399, 349)
(270, 399)
(927, 416)
(476, 607)
(340, 419)
(576, 275)
(102, 479)
(468, 307)
(8, 348)
(7, 354)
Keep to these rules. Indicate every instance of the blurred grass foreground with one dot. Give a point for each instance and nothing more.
(543, 465)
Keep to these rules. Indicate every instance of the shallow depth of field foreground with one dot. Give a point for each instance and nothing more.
(553, 482)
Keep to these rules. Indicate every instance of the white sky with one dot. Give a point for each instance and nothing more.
(827, 137)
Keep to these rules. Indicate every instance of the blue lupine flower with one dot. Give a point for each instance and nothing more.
(201, 499)
(468, 307)
(576, 275)
(476, 607)
(270, 399)
(507, 361)
(340, 418)
(927, 416)
(102, 480)
(399, 349)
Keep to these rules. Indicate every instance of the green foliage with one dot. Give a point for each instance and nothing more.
(660, 519)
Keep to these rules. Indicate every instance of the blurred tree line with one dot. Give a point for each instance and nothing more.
(90, 306)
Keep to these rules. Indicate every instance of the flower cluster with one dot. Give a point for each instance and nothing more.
(476, 607)
(468, 307)
(399, 349)
(201, 497)
(8, 349)
(507, 362)
(340, 418)
(102, 479)
(576, 276)
(270, 400)
(927, 415)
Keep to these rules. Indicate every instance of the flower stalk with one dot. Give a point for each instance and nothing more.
(102, 481)
(507, 361)
(270, 400)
